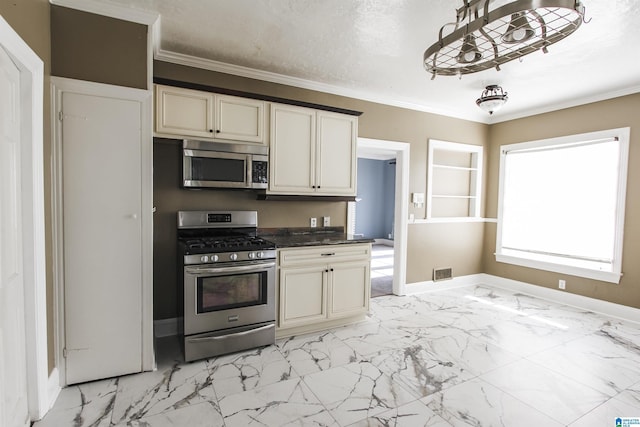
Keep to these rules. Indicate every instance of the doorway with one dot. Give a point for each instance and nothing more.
(22, 256)
(389, 257)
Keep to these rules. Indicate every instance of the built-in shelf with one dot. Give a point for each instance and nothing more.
(454, 180)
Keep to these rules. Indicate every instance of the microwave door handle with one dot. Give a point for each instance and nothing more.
(243, 268)
(237, 334)
(249, 170)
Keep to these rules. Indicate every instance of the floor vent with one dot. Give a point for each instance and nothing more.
(442, 274)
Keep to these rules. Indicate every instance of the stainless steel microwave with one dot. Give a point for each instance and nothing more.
(219, 165)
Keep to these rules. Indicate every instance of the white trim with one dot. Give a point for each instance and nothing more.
(475, 186)
(455, 282)
(604, 276)
(53, 387)
(222, 67)
(451, 220)
(401, 211)
(584, 100)
(618, 311)
(110, 9)
(563, 297)
(622, 134)
(60, 85)
(237, 70)
(383, 242)
(32, 174)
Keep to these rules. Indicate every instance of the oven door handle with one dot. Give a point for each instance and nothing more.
(237, 334)
(231, 269)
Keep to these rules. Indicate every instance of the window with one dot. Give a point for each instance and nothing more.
(454, 181)
(561, 204)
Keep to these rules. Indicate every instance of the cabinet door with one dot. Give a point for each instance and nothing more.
(102, 286)
(184, 112)
(350, 288)
(292, 150)
(336, 165)
(302, 296)
(239, 119)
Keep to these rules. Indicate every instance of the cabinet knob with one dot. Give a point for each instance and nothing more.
(217, 130)
(211, 130)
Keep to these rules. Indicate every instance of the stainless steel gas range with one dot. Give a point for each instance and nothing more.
(228, 283)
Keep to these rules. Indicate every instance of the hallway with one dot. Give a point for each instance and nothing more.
(381, 270)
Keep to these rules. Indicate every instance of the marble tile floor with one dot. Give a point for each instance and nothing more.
(472, 356)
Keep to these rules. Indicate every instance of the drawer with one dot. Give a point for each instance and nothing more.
(327, 254)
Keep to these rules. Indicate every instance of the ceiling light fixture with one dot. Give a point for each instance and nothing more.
(492, 38)
(492, 99)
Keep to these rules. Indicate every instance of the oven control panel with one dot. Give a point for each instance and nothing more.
(230, 257)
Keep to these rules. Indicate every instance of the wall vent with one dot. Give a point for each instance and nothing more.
(442, 274)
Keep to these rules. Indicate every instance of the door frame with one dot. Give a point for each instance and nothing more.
(32, 199)
(60, 85)
(401, 209)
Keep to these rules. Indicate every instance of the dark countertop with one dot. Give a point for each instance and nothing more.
(291, 238)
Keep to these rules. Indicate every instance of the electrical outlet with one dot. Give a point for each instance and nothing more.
(562, 284)
(313, 222)
(326, 221)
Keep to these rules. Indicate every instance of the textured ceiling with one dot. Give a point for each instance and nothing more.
(373, 49)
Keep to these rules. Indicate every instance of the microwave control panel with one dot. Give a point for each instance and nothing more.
(259, 172)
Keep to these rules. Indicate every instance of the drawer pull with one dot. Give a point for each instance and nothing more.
(328, 254)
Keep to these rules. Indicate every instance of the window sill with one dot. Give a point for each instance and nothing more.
(604, 276)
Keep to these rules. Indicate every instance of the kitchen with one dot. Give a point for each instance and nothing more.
(466, 247)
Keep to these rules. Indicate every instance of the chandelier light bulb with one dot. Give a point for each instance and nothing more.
(469, 52)
(519, 29)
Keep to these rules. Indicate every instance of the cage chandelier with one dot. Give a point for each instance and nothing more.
(483, 39)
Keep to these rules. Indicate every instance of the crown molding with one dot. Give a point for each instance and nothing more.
(576, 102)
(111, 10)
(251, 73)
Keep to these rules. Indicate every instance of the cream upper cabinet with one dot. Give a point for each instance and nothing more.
(322, 286)
(184, 112)
(239, 119)
(312, 152)
(292, 151)
(336, 153)
(193, 113)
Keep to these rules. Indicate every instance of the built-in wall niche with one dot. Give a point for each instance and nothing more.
(454, 181)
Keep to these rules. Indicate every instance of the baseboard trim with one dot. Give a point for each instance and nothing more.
(618, 311)
(431, 286)
(385, 242)
(53, 389)
(166, 327)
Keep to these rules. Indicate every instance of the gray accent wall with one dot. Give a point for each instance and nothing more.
(376, 198)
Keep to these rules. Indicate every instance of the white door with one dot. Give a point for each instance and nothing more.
(13, 388)
(101, 173)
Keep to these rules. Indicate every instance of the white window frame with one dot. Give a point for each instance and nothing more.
(622, 134)
(475, 190)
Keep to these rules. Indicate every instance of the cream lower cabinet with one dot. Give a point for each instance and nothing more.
(322, 287)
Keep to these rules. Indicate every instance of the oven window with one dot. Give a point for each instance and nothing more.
(237, 290)
(222, 170)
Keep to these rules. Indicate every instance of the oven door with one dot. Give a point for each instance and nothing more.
(228, 296)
